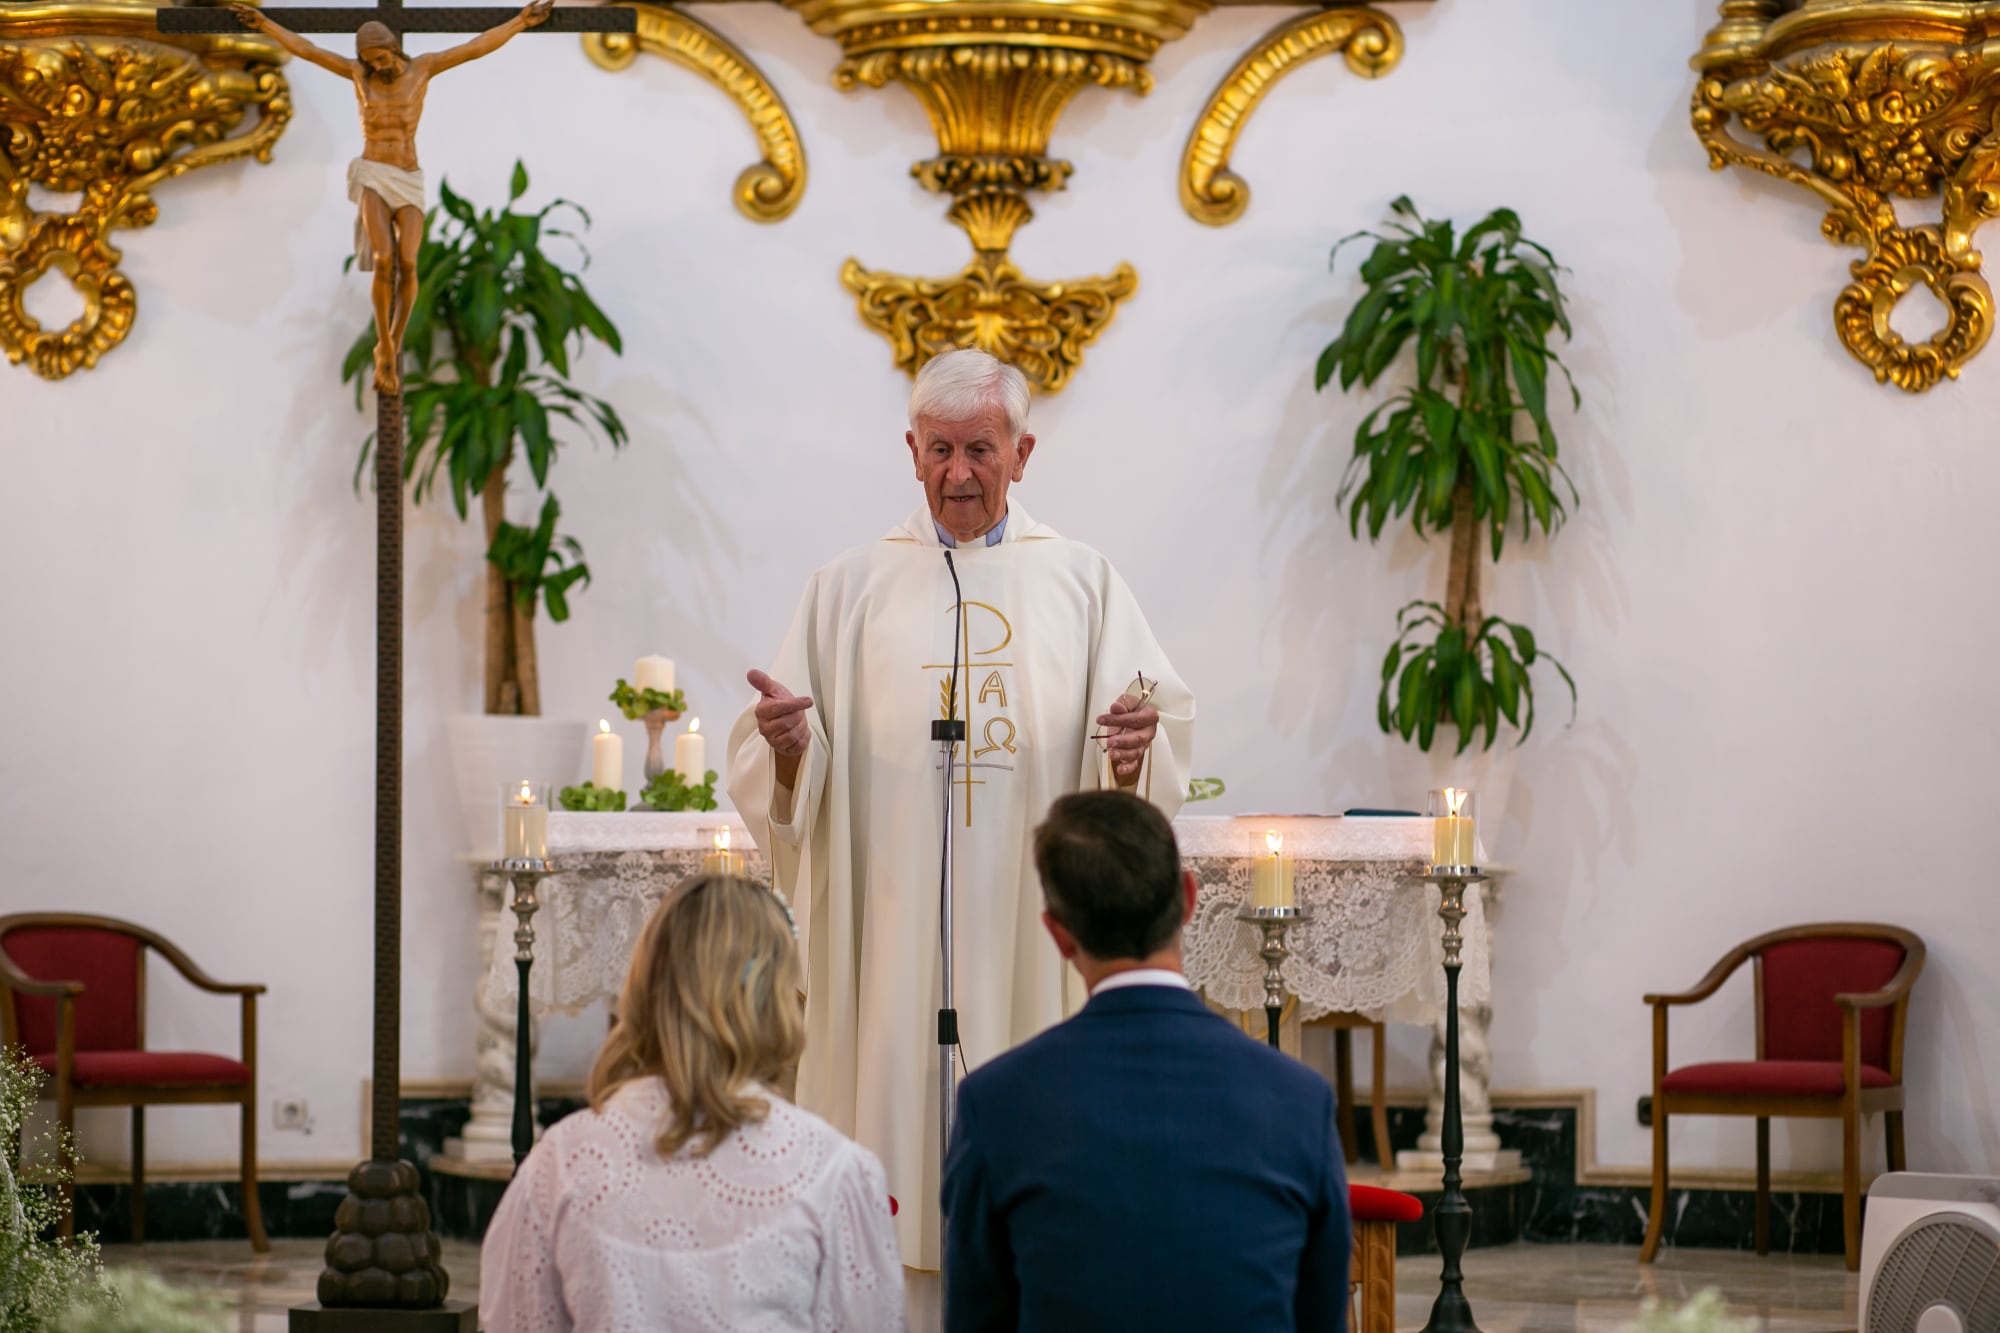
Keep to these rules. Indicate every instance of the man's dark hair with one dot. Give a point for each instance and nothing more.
(1111, 873)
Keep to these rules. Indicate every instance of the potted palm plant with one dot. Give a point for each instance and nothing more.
(1464, 447)
(486, 386)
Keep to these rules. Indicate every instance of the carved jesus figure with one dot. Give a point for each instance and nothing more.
(385, 181)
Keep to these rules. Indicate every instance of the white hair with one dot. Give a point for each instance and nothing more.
(960, 384)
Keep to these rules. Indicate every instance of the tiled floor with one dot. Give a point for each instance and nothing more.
(1513, 1289)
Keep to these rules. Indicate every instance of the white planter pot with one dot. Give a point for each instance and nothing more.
(489, 751)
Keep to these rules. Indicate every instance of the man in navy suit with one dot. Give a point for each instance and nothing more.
(1144, 1165)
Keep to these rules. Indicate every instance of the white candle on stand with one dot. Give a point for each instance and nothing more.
(691, 754)
(1271, 875)
(607, 759)
(524, 824)
(654, 673)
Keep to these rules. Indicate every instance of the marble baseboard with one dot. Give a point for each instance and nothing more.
(209, 1210)
(1550, 1207)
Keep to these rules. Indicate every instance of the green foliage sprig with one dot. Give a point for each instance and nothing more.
(132, 1300)
(41, 1281)
(1474, 678)
(591, 798)
(670, 791)
(1205, 789)
(635, 704)
(1449, 452)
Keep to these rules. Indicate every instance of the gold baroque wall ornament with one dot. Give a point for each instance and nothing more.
(766, 191)
(94, 101)
(994, 77)
(1864, 102)
(1373, 45)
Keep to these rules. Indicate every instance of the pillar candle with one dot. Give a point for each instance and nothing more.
(524, 826)
(722, 861)
(654, 673)
(691, 754)
(1271, 875)
(1451, 831)
(607, 759)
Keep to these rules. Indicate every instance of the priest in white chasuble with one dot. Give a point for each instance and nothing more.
(835, 772)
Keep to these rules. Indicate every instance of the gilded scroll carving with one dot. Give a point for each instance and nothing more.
(91, 107)
(1373, 45)
(1865, 107)
(767, 190)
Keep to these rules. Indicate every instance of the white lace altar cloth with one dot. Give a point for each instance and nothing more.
(612, 869)
(1372, 945)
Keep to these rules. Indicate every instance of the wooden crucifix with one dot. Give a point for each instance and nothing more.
(383, 1263)
(385, 182)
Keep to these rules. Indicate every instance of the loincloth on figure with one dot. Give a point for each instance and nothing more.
(396, 187)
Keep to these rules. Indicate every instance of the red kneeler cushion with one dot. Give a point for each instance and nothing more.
(1366, 1203)
(149, 1069)
(107, 963)
(1768, 1078)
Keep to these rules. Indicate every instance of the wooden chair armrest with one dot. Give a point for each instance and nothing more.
(14, 978)
(1894, 990)
(186, 967)
(1709, 984)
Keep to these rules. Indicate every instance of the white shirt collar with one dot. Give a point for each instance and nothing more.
(1141, 976)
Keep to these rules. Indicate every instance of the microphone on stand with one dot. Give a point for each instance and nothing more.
(947, 732)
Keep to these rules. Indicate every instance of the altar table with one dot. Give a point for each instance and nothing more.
(1371, 944)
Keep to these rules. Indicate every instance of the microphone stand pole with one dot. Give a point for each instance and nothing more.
(947, 733)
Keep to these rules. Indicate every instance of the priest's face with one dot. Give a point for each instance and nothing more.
(966, 468)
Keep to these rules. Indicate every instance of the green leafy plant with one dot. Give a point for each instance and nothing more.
(670, 791)
(132, 1300)
(591, 798)
(1706, 1313)
(635, 704)
(42, 1278)
(1204, 789)
(1465, 446)
(486, 381)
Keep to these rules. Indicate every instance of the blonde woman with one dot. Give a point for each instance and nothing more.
(690, 1196)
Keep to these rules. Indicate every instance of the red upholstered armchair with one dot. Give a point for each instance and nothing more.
(73, 992)
(1831, 1004)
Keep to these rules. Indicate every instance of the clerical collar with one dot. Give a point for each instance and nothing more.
(992, 538)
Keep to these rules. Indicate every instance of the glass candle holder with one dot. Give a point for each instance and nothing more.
(720, 860)
(1270, 871)
(1454, 812)
(524, 821)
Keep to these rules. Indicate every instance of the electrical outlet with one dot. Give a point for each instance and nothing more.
(292, 1114)
(1645, 1112)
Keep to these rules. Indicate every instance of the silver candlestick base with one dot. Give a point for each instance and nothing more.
(1273, 922)
(526, 875)
(1452, 1217)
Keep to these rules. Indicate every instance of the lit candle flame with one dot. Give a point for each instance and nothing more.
(1454, 799)
(693, 726)
(1274, 840)
(527, 796)
(721, 838)
(602, 725)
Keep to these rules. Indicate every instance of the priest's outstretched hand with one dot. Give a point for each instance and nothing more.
(781, 716)
(1129, 731)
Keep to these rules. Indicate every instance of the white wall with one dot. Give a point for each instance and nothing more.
(1770, 598)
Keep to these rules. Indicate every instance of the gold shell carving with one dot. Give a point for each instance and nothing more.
(1210, 191)
(766, 191)
(1041, 327)
(95, 102)
(1865, 105)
